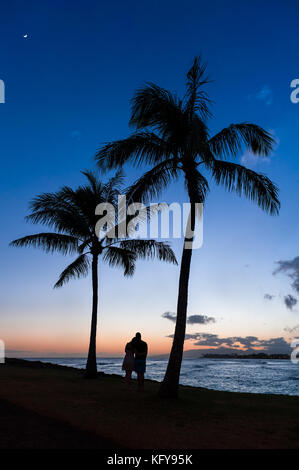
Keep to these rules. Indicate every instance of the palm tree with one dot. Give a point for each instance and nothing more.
(71, 213)
(172, 136)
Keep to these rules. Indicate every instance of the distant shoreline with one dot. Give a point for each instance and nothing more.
(246, 356)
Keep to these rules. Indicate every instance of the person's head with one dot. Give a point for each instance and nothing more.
(138, 336)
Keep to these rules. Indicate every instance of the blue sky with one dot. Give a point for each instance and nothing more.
(68, 86)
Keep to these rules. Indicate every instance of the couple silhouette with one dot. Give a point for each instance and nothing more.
(135, 360)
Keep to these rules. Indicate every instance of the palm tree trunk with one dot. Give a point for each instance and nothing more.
(170, 384)
(91, 365)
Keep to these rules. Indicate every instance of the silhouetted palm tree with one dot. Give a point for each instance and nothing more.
(71, 213)
(172, 135)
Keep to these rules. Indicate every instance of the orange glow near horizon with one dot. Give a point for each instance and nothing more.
(47, 339)
(107, 345)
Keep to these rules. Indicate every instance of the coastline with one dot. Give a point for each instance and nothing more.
(108, 411)
(268, 376)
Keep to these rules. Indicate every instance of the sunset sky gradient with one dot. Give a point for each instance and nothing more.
(68, 87)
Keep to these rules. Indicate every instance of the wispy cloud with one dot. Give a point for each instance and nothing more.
(191, 319)
(250, 159)
(290, 301)
(76, 135)
(265, 95)
(272, 345)
(169, 316)
(291, 330)
(269, 296)
(200, 319)
(291, 269)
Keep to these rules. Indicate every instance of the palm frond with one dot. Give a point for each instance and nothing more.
(151, 183)
(197, 186)
(150, 249)
(138, 148)
(121, 257)
(79, 268)
(86, 244)
(45, 200)
(231, 140)
(114, 186)
(93, 181)
(49, 242)
(159, 109)
(152, 105)
(61, 220)
(197, 100)
(255, 186)
(61, 210)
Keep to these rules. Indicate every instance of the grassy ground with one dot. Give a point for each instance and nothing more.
(104, 413)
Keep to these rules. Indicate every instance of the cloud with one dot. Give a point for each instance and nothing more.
(291, 330)
(191, 319)
(76, 135)
(247, 343)
(264, 95)
(269, 296)
(201, 319)
(291, 269)
(290, 301)
(169, 316)
(250, 159)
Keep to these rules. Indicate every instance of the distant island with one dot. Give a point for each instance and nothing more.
(225, 353)
(246, 356)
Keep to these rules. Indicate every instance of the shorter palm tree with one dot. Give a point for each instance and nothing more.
(71, 213)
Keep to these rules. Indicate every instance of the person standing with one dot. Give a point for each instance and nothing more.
(129, 361)
(140, 348)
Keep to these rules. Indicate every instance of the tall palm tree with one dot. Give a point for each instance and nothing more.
(71, 213)
(171, 135)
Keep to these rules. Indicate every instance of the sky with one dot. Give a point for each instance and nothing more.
(70, 70)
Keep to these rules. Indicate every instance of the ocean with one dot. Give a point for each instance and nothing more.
(232, 375)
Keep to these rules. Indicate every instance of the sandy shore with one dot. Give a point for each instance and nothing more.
(55, 407)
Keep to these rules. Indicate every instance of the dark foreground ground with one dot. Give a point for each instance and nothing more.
(55, 407)
(23, 429)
